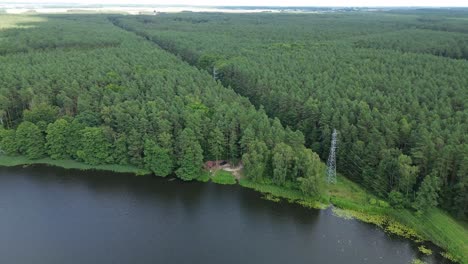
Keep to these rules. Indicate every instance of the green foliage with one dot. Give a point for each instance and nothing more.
(407, 175)
(425, 250)
(396, 199)
(428, 194)
(438, 227)
(283, 162)
(393, 127)
(223, 177)
(69, 164)
(95, 147)
(120, 150)
(57, 139)
(255, 160)
(310, 171)
(74, 138)
(447, 44)
(217, 143)
(8, 143)
(400, 110)
(271, 190)
(448, 256)
(30, 140)
(157, 159)
(190, 160)
(84, 35)
(308, 186)
(383, 204)
(208, 61)
(401, 230)
(131, 96)
(271, 197)
(41, 113)
(204, 177)
(417, 261)
(135, 147)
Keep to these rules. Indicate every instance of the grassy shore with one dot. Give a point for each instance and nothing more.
(273, 192)
(352, 201)
(435, 225)
(349, 199)
(223, 177)
(10, 161)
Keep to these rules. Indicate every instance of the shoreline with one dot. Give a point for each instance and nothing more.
(351, 205)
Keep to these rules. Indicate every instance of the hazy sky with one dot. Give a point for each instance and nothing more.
(268, 2)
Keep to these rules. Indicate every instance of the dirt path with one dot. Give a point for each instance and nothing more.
(235, 171)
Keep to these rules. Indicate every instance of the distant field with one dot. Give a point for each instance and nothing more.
(11, 21)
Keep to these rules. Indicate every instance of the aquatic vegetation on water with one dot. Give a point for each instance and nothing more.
(312, 204)
(399, 229)
(425, 250)
(448, 256)
(385, 222)
(271, 197)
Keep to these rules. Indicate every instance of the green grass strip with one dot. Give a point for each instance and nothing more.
(11, 161)
(223, 177)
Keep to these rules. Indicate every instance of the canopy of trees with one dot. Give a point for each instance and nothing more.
(78, 87)
(394, 84)
(96, 88)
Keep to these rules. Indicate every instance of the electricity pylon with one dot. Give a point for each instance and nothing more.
(331, 162)
(215, 73)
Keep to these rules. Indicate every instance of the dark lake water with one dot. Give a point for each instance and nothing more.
(57, 216)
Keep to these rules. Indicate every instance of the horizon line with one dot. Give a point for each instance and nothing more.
(230, 6)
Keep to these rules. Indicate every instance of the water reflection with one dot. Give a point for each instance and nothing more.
(50, 215)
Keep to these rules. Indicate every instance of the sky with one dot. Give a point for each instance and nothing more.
(434, 3)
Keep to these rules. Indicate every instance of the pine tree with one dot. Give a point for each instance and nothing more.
(233, 146)
(190, 160)
(120, 153)
(217, 143)
(135, 147)
(247, 138)
(408, 175)
(310, 171)
(428, 194)
(282, 162)
(256, 160)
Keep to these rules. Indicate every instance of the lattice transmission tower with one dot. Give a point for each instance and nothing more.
(331, 162)
(215, 73)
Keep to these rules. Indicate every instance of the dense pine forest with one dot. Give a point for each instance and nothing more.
(167, 93)
(394, 86)
(123, 101)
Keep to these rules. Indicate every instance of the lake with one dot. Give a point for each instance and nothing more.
(51, 215)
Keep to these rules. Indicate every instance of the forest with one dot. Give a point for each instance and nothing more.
(123, 101)
(167, 93)
(393, 85)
